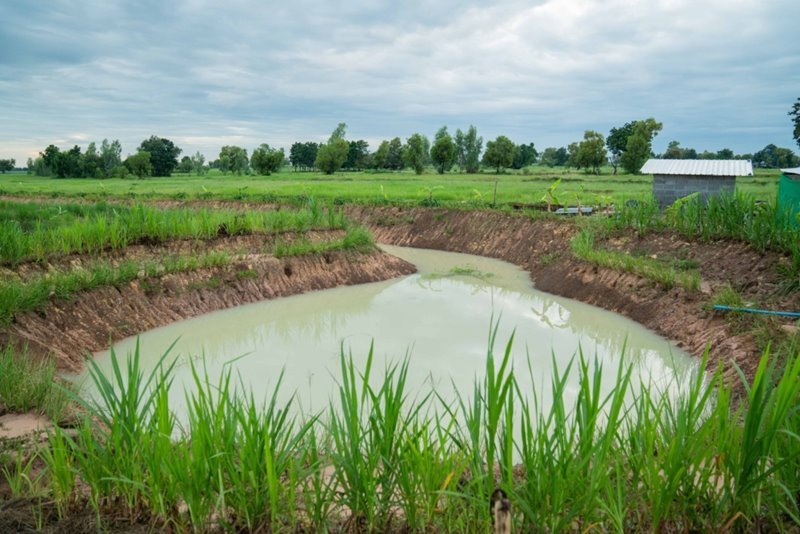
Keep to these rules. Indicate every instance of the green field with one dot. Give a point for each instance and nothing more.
(528, 187)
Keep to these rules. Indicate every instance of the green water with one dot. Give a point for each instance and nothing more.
(438, 318)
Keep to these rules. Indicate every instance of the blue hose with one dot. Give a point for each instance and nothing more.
(754, 310)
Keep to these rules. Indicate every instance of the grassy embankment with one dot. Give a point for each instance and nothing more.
(534, 185)
(379, 458)
(32, 232)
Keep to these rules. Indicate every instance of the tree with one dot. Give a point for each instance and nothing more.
(524, 156)
(499, 153)
(414, 155)
(7, 165)
(381, 155)
(795, 112)
(468, 149)
(197, 163)
(561, 157)
(616, 142)
(443, 151)
(92, 163)
(548, 157)
(725, 153)
(303, 155)
(357, 155)
(266, 160)
(332, 155)
(139, 164)
(234, 159)
(185, 165)
(163, 154)
(572, 156)
(772, 156)
(674, 151)
(394, 155)
(592, 151)
(111, 156)
(639, 146)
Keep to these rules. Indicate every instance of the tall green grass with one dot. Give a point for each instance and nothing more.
(120, 226)
(381, 457)
(28, 385)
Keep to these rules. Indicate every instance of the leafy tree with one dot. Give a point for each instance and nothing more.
(524, 156)
(795, 113)
(772, 156)
(443, 151)
(163, 154)
(332, 155)
(414, 155)
(674, 151)
(357, 155)
(7, 165)
(381, 155)
(185, 165)
(266, 160)
(468, 149)
(725, 153)
(499, 153)
(616, 142)
(639, 146)
(592, 151)
(548, 157)
(561, 156)
(197, 163)
(303, 155)
(572, 156)
(394, 155)
(111, 155)
(139, 164)
(92, 163)
(30, 166)
(234, 159)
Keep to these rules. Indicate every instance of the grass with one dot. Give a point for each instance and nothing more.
(103, 228)
(531, 185)
(28, 385)
(668, 274)
(356, 238)
(380, 459)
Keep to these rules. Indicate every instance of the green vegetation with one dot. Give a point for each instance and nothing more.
(356, 238)
(665, 273)
(379, 458)
(28, 234)
(29, 385)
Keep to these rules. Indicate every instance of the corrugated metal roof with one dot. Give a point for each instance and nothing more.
(699, 167)
(796, 170)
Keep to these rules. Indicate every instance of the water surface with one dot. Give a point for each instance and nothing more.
(439, 319)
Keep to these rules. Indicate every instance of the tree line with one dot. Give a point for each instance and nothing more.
(628, 146)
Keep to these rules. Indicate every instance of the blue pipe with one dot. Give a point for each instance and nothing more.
(754, 310)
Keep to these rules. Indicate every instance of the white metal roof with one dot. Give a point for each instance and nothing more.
(796, 170)
(699, 167)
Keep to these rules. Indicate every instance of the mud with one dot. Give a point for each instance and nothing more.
(70, 329)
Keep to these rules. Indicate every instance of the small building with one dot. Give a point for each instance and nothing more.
(677, 178)
(789, 196)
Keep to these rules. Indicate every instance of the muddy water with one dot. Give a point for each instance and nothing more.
(439, 319)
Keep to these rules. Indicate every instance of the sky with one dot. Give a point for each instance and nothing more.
(716, 73)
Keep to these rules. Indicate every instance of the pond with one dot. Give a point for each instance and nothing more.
(440, 319)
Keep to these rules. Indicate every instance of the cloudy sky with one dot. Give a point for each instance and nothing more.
(717, 73)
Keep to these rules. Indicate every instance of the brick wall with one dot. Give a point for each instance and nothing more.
(668, 189)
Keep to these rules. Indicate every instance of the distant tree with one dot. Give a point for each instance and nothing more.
(64, 164)
(31, 166)
(616, 142)
(7, 165)
(524, 156)
(561, 157)
(795, 113)
(725, 153)
(443, 151)
(303, 155)
(381, 155)
(266, 160)
(233, 159)
(92, 163)
(707, 154)
(111, 155)
(592, 151)
(573, 159)
(639, 146)
(357, 155)
(548, 157)
(332, 155)
(414, 153)
(499, 153)
(689, 153)
(163, 154)
(468, 149)
(185, 165)
(674, 151)
(394, 155)
(198, 161)
(139, 164)
(772, 156)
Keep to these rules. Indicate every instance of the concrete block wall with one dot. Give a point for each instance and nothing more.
(669, 188)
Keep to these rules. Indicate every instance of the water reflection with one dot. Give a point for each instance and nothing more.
(438, 318)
